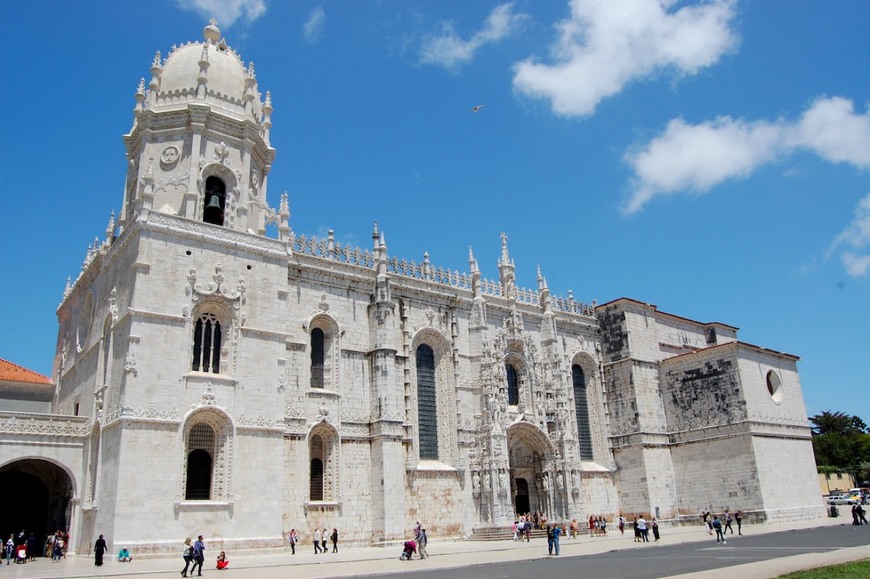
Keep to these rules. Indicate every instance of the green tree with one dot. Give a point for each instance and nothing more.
(841, 441)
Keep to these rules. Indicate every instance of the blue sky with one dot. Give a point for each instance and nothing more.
(712, 158)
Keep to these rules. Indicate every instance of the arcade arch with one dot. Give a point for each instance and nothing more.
(38, 497)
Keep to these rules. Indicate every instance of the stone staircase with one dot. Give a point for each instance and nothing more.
(501, 534)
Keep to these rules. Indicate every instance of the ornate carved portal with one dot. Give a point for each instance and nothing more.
(531, 465)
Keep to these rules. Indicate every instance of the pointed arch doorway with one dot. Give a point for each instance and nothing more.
(530, 456)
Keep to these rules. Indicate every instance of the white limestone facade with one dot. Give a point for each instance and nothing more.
(226, 383)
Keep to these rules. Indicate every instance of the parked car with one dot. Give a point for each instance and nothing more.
(840, 500)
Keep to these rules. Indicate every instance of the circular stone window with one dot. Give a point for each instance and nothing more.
(774, 386)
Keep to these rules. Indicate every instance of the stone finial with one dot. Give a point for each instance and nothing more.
(375, 235)
(284, 207)
(211, 33)
(68, 288)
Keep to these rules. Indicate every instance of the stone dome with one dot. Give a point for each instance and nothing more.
(228, 83)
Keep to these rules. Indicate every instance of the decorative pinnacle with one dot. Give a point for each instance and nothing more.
(505, 257)
(211, 33)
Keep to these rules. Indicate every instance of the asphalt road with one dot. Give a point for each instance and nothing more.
(662, 560)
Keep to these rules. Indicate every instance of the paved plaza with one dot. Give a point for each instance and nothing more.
(361, 561)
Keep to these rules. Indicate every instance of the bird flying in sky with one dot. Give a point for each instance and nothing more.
(477, 108)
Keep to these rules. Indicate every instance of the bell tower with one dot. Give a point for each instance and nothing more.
(199, 146)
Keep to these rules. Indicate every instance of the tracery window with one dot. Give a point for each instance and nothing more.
(207, 344)
(322, 472)
(317, 358)
(207, 454)
(513, 382)
(427, 404)
(581, 408)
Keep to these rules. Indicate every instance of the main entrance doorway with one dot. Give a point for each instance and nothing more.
(530, 454)
(521, 503)
(36, 498)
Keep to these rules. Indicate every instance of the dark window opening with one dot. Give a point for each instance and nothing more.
(513, 385)
(581, 408)
(215, 200)
(316, 479)
(207, 344)
(317, 358)
(200, 445)
(427, 402)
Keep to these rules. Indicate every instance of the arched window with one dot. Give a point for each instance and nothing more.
(200, 462)
(513, 385)
(427, 403)
(316, 474)
(207, 344)
(581, 408)
(317, 358)
(215, 201)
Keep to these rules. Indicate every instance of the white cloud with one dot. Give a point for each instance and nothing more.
(313, 27)
(856, 236)
(606, 44)
(695, 158)
(226, 12)
(449, 50)
(831, 129)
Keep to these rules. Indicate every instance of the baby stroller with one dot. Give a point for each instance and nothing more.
(21, 554)
(410, 549)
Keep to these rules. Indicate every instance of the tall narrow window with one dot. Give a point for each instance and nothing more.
(317, 357)
(207, 344)
(107, 340)
(316, 474)
(427, 403)
(215, 199)
(581, 407)
(200, 452)
(513, 385)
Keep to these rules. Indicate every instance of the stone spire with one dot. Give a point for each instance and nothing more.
(506, 270)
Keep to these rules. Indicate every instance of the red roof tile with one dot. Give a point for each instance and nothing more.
(14, 373)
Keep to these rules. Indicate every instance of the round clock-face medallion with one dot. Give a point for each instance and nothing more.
(169, 155)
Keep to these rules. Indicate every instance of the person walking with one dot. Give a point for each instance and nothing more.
(655, 529)
(861, 517)
(620, 522)
(99, 550)
(644, 529)
(738, 518)
(717, 526)
(198, 556)
(728, 520)
(334, 538)
(549, 540)
(293, 538)
(317, 536)
(705, 516)
(422, 541)
(557, 532)
(10, 548)
(187, 553)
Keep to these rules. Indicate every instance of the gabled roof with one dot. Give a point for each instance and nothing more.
(10, 372)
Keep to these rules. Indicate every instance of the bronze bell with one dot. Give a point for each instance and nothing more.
(213, 203)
